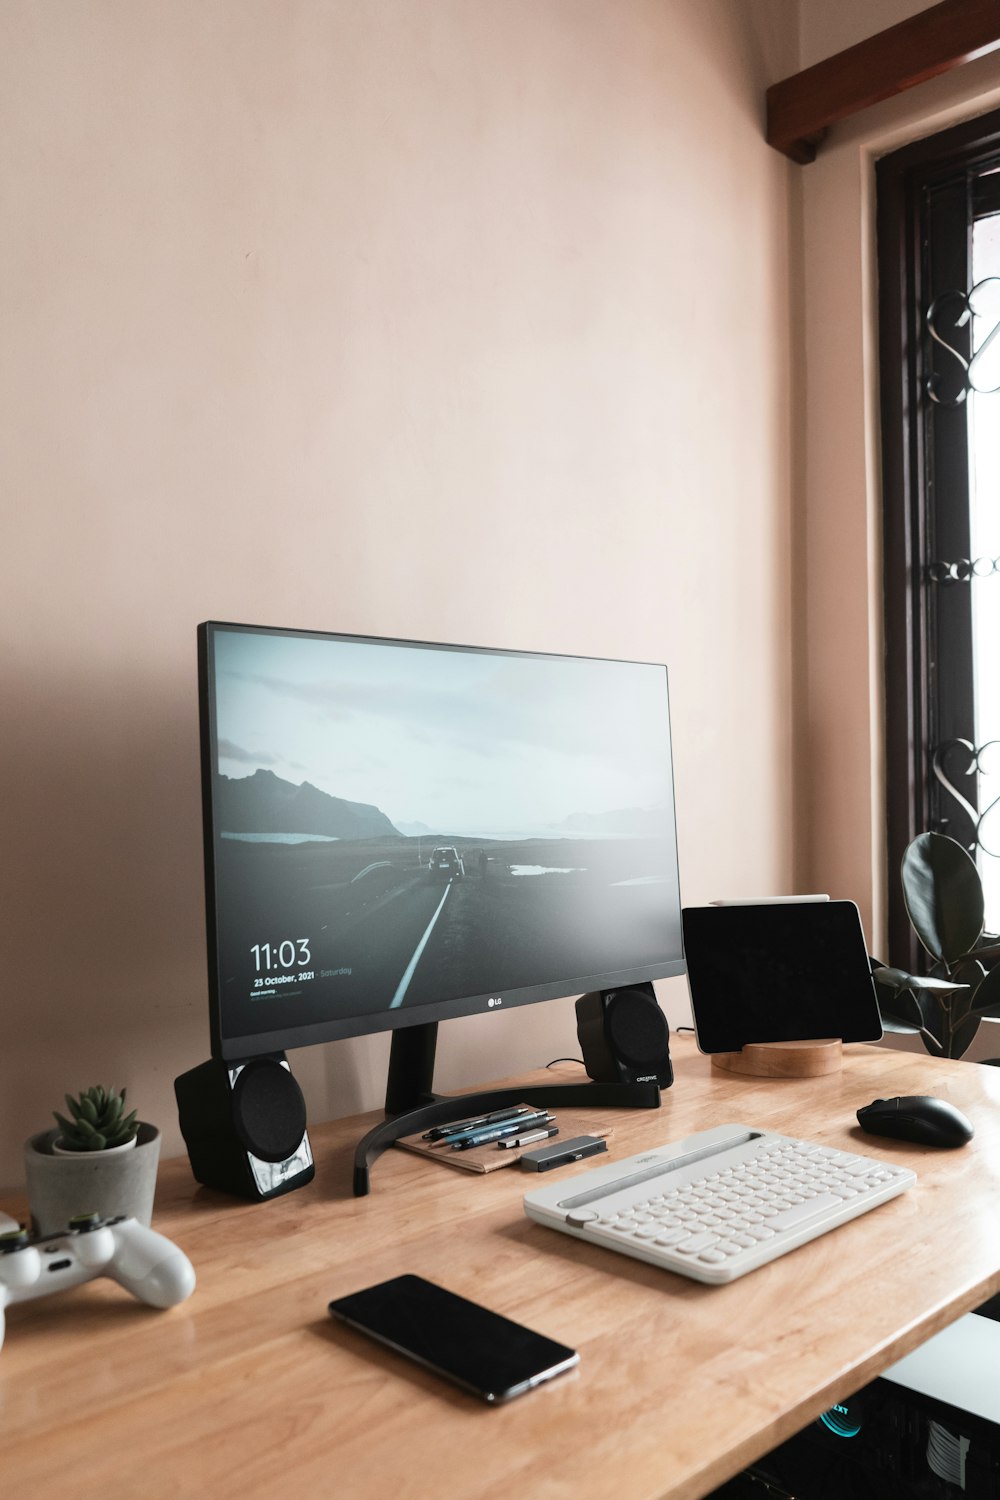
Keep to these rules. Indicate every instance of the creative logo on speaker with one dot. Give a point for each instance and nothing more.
(494, 1000)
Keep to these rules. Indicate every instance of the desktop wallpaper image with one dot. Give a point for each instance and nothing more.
(397, 825)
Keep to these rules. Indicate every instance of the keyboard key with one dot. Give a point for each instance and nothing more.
(671, 1237)
(791, 1218)
(697, 1242)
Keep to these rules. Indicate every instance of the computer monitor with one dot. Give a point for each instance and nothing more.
(397, 833)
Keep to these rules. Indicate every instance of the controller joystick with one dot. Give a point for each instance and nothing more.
(145, 1263)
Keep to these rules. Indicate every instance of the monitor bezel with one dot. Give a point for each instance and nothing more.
(244, 1047)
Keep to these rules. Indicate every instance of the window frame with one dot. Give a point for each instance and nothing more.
(928, 194)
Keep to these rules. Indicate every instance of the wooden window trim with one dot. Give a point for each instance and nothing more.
(800, 109)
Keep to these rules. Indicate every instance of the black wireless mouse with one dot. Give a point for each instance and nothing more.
(919, 1118)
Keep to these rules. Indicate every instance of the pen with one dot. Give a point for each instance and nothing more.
(495, 1132)
(479, 1133)
(527, 1140)
(504, 1127)
(458, 1126)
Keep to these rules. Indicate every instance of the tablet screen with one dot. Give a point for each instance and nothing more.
(787, 972)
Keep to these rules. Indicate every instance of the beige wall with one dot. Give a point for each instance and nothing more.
(459, 320)
(469, 321)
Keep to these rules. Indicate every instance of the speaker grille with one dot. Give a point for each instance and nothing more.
(637, 1029)
(269, 1112)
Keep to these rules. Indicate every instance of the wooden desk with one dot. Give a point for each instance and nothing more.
(250, 1390)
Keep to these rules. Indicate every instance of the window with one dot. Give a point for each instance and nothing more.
(939, 310)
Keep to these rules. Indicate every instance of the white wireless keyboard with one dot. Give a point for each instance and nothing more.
(718, 1204)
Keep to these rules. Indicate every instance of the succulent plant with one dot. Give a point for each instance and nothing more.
(99, 1121)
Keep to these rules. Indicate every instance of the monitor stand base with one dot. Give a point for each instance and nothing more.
(413, 1105)
(784, 1059)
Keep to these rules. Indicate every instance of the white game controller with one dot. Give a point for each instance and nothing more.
(146, 1264)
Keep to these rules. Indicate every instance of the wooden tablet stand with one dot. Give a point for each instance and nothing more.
(784, 1059)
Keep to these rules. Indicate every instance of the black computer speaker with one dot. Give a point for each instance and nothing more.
(624, 1036)
(244, 1125)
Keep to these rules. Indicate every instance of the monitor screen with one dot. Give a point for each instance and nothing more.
(399, 832)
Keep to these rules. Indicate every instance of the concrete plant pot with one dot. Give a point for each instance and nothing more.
(109, 1183)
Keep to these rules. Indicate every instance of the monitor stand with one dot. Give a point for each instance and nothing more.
(784, 1059)
(413, 1105)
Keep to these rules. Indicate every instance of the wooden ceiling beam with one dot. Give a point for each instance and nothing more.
(801, 109)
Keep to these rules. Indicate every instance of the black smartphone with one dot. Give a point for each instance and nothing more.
(478, 1350)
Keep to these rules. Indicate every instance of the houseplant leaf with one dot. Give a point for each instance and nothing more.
(943, 895)
(936, 1031)
(986, 1000)
(915, 1003)
(900, 982)
(963, 1034)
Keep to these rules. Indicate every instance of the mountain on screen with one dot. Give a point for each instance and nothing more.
(623, 822)
(264, 803)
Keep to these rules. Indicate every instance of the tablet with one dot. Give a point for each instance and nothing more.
(779, 972)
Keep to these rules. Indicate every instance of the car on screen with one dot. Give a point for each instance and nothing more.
(445, 864)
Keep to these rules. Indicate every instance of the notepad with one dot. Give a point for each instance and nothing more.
(488, 1158)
